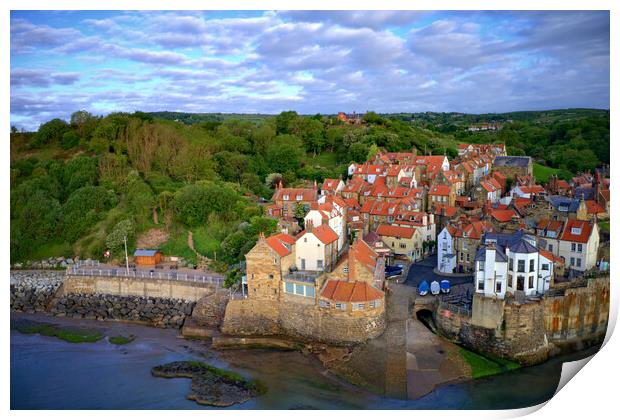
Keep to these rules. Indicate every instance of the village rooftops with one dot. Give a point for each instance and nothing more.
(500, 256)
(295, 194)
(577, 231)
(564, 204)
(395, 231)
(518, 161)
(350, 291)
(281, 243)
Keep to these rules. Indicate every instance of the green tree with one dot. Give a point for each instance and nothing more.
(115, 241)
(50, 132)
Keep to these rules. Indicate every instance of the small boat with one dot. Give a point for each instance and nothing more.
(445, 286)
(423, 288)
(435, 287)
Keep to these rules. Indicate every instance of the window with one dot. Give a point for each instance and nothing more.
(358, 306)
(310, 291)
(324, 304)
(550, 248)
(572, 260)
(510, 280)
(531, 266)
(481, 285)
(319, 263)
(299, 197)
(545, 267)
(403, 245)
(341, 306)
(444, 246)
(498, 287)
(299, 289)
(305, 239)
(530, 282)
(579, 248)
(375, 304)
(345, 269)
(285, 197)
(270, 276)
(467, 257)
(572, 246)
(521, 266)
(289, 287)
(510, 264)
(578, 262)
(481, 265)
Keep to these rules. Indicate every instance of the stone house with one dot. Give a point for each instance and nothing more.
(510, 166)
(441, 195)
(406, 241)
(287, 199)
(332, 186)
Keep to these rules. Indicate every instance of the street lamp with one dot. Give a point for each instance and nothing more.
(126, 256)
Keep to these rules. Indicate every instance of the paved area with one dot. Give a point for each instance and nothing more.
(423, 270)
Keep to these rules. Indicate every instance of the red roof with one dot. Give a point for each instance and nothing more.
(548, 255)
(440, 190)
(355, 291)
(307, 194)
(325, 234)
(450, 210)
(503, 215)
(276, 242)
(330, 184)
(395, 231)
(534, 189)
(594, 207)
(582, 236)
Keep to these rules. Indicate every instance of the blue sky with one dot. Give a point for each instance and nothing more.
(308, 61)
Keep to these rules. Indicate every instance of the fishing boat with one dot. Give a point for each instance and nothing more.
(445, 286)
(423, 288)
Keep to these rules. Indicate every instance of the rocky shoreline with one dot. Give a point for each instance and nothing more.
(211, 385)
(33, 292)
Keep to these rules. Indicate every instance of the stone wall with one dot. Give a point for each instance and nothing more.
(53, 293)
(144, 287)
(159, 312)
(296, 317)
(570, 318)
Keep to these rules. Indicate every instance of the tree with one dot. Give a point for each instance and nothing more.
(70, 139)
(80, 172)
(115, 241)
(372, 151)
(284, 120)
(50, 132)
(284, 154)
(231, 246)
(358, 152)
(273, 179)
(232, 280)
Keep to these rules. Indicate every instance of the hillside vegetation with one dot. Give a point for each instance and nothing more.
(80, 187)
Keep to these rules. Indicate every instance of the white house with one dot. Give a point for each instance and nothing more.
(446, 257)
(511, 263)
(526, 191)
(579, 244)
(327, 213)
(316, 248)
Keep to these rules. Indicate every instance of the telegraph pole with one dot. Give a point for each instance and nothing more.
(126, 257)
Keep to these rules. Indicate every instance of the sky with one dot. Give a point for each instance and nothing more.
(307, 61)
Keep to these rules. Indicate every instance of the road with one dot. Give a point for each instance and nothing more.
(423, 270)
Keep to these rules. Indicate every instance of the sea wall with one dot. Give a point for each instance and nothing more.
(144, 287)
(570, 318)
(300, 318)
(55, 294)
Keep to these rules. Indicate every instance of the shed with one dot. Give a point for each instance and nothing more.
(147, 256)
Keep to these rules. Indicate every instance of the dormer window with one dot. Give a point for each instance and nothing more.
(299, 197)
(285, 197)
(575, 231)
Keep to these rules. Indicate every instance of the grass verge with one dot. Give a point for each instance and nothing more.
(71, 335)
(120, 340)
(485, 365)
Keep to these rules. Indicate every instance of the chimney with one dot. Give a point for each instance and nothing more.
(309, 226)
(261, 236)
(315, 186)
(279, 184)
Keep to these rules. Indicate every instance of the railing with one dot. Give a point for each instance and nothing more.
(305, 276)
(121, 272)
(456, 309)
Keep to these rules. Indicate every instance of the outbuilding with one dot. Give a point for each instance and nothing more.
(147, 256)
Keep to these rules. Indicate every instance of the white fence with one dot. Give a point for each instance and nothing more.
(121, 272)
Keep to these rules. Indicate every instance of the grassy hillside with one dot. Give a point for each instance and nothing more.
(542, 173)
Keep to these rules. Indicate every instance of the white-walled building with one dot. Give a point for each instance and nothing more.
(316, 248)
(328, 213)
(511, 263)
(446, 257)
(579, 244)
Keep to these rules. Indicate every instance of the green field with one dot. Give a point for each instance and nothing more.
(542, 173)
(482, 366)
